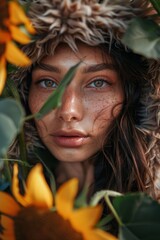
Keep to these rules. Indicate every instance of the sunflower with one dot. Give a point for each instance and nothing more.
(12, 15)
(39, 215)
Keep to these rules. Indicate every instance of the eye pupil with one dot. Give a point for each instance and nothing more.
(49, 83)
(98, 83)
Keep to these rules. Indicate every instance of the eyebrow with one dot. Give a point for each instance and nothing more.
(88, 69)
(46, 67)
(99, 67)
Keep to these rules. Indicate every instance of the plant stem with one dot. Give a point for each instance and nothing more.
(113, 210)
(23, 153)
(6, 163)
(30, 117)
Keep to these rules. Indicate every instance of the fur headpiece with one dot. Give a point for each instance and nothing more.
(89, 21)
(94, 22)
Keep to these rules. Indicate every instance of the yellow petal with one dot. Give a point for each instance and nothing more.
(8, 225)
(8, 205)
(65, 197)
(15, 56)
(4, 36)
(3, 73)
(29, 27)
(18, 35)
(38, 190)
(17, 16)
(98, 234)
(15, 187)
(85, 218)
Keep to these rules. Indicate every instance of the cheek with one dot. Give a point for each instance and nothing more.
(104, 107)
(103, 111)
(35, 101)
(41, 128)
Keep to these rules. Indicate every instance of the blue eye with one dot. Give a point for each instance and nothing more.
(99, 83)
(48, 83)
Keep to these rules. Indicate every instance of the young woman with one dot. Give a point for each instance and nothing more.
(106, 131)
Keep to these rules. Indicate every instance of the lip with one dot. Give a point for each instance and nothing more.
(70, 139)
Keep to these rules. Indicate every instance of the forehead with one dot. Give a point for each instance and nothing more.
(66, 57)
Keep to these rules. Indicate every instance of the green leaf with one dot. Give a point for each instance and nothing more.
(4, 185)
(13, 110)
(156, 5)
(140, 215)
(11, 120)
(105, 221)
(143, 37)
(8, 132)
(54, 99)
(81, 200)
(126, 234)
(150, 231)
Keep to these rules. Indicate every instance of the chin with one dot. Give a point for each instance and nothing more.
(70, 157)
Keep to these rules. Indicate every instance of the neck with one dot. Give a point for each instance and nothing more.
(84, 171)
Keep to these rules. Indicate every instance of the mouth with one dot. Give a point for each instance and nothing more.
(71, 139)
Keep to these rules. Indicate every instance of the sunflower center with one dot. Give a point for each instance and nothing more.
(4, 13)
(2, 49)
(33, 223)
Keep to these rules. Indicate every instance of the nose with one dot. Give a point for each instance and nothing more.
(71, 108)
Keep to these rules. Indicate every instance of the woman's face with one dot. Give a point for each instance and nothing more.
(76, 130)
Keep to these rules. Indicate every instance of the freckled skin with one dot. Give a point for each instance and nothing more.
(84, 107)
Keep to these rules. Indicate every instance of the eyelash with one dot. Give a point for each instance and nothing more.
(43, 82)
(104, 82)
